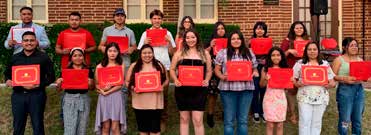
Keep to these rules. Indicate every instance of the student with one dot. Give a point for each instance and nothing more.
(76, 105)
(350, 95)
(274, 102)
(298, 32)
(260, 30)
(147, 106)
(26, 15)
(312, 99)
(30, 99)
(185, 25)
(191, 100)
(110, 116)
(161, 53)
(213, 91)
(236, 96)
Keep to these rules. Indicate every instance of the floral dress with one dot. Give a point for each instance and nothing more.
(275, 105)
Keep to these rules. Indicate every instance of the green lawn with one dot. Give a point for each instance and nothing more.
(53, 126)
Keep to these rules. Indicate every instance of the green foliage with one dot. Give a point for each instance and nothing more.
(205, 31)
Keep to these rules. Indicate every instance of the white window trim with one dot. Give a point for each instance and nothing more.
(29, 4)
(198, 12)
(143, 16)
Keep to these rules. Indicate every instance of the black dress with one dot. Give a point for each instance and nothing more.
(191, 98)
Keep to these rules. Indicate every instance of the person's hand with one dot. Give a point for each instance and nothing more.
(99, 91)
(66, 51)
(330, 85)
(177, 83)
(369, 79)
(299, 84)
(293, 52)
(224, 77)
(59, 83)
(212, 43)
(147, 40)
(12, 43)
(31, 86)
(9, 83)
(168, 38)
(205, 83)
(267, 77)
(255, 74)
(103, 48)
(349, 79)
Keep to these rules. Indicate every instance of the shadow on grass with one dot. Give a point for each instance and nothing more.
(53, 124)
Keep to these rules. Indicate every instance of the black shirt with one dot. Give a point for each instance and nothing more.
(77, 91)
(36, 58)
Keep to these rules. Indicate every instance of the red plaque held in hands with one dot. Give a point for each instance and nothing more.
(110, 76)
(75, 79)
(191, 75)
(361, 70)
(280, 78)
(72, 40)
(261, 46)
(220, 43)
(314, 75)
(300, 46)
(157, 36)
(122, 41)
(25, 75)
(148, 82)
(239, 71)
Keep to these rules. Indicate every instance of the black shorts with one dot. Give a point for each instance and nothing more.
(148, 120)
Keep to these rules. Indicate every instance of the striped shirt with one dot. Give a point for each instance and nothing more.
(221, 59)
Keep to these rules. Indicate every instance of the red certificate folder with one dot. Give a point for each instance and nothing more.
(360, 69)
(148, 82)
(314, 75)
(75, 79)
(72, 40)
(25, 75)
(18, 32)
(157, 36)
(220, 43)
(110, 75)
(122, 41)
(280, 78)
(261, 46)
(300, 46)
(239, 71)
(178, 43)
(191, 75)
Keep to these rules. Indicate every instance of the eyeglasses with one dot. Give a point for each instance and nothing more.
(28, 40)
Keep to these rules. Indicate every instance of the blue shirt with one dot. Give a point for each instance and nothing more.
(41, 37)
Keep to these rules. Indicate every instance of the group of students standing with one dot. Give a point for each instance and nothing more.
(150, 108)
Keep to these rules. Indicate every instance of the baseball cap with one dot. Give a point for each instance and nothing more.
(119, 11)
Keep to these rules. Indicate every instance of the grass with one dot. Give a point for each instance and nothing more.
(53, 125)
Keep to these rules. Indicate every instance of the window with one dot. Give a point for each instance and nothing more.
(40, 10)
(204, 11)
(139, 10)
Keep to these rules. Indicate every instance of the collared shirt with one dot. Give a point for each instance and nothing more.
(221, 59)
(41, 37)
(312, 94)
(161, 52)
(125, 31)
(36, 58)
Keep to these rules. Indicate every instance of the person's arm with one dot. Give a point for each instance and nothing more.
(209, 70)
(143, 40)
(90, 44)
(173, 66)
(263, 79)
(336, 64)
(166, 82)
(58, 47)
(91, 83)
(133, 43)
(116, 88)
(296, 75)
(255, 71)
(128, 75)
(171, 41)
(49, 73)
(218, 66)
(9, 43)
(44, 40)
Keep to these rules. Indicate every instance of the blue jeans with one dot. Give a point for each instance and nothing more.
(236, 105)
(351, 102)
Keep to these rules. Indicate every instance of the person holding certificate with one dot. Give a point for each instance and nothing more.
(14, 39)
(298, 32)
(350, 94)
(76, 105)
(29, 72)
(185, 24)
(110, 116)
(149, 102)
(235, 67)
(163, 44)
(193, 64)
(75, 36)
(313, 77)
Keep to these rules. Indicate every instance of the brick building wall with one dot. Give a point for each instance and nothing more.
(171, 10)
(352, 23)
(3, 11)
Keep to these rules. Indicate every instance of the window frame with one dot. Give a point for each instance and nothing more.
(143, 17)
(198, 18)
(29, 4)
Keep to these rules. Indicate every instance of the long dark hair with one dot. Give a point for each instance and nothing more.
(139, 65)
(305, 55)
(181, 26)
(292, 36)
(244, 52)
(269, 63)
(262, 25)
(215, 32)
(199, 46)
(70, 63)
(118, 59)
(346, 43)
